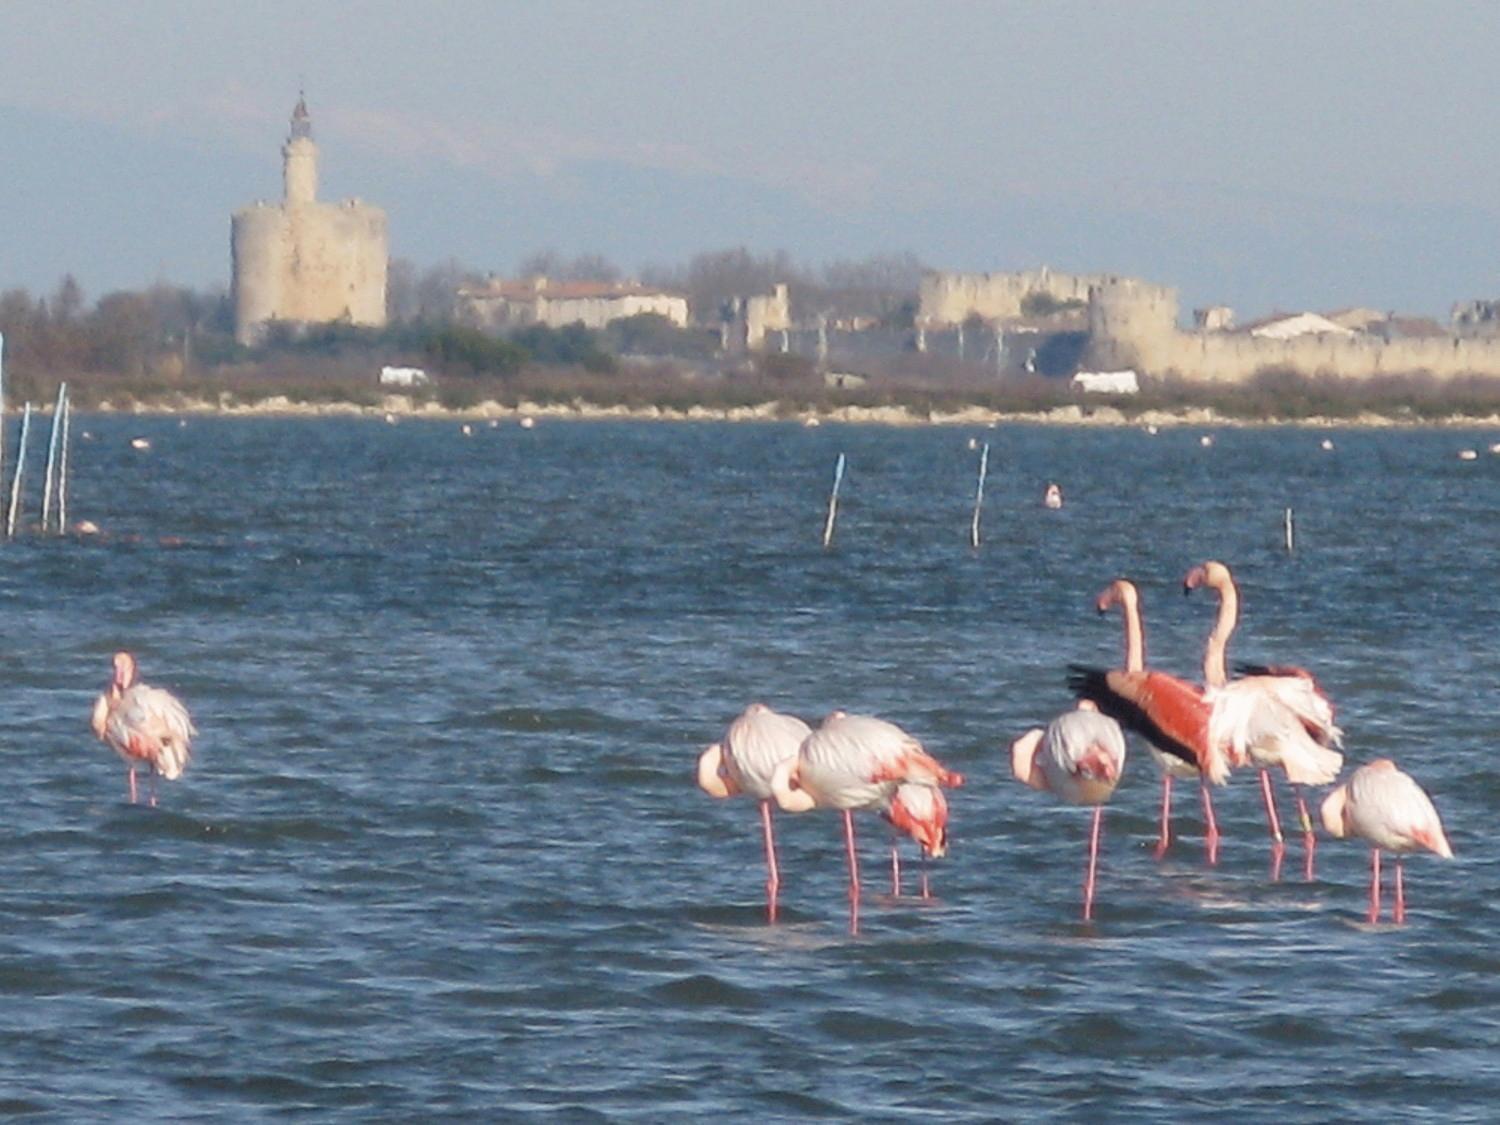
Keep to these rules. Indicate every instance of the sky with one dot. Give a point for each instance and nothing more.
(1270, 156)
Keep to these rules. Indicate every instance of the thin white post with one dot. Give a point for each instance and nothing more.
(833, 501)
(1287, 523)
(57, 413)
(15, 481)
(62, 469)
(984, 468)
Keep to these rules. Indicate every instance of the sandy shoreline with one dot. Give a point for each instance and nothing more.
(400, 406)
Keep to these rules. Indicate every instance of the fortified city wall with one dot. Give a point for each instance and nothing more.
(1133, 323)
(951, 298)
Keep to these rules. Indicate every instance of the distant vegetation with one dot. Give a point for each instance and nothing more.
(167, 345)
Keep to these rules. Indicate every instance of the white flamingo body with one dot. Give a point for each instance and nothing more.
(1388, 808)
(744, 761)
(1381, 804)
(755, 743)
(1079, 757)
(1265, 721)
(147, 726)
(856, 762)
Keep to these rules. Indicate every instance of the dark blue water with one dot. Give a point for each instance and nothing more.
(440, 855)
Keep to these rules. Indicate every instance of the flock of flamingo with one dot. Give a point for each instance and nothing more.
(1272, 717)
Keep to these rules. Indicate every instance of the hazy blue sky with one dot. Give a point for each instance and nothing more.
(1265, 154)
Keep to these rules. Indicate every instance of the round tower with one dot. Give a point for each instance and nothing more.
(299, 156)
(1131, 324)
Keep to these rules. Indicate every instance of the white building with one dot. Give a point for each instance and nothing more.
(502, 304)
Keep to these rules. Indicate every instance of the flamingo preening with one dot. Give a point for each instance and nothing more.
(861, 762)
(147, 726)
(1078, 758)
(921, 812)
(1277, 716)
(1381, 804)
(754, 744)
(1122, 593)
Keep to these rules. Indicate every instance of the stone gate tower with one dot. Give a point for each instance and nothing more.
(304, 262)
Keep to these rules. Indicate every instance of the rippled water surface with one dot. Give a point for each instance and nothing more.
(440, 854)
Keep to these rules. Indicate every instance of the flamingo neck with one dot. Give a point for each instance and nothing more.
(1135, 634)
(1215, 670)
(790, 796)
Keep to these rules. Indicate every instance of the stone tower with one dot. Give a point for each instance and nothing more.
(303, 262)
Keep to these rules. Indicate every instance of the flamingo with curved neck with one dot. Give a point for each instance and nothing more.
(1276, 716)
(1123, 593)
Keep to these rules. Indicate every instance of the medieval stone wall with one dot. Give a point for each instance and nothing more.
(1134, 324)
(951, 298)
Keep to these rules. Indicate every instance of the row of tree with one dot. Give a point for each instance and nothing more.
(168, 330)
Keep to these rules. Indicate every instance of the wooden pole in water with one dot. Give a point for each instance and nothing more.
(1288, 527)
(57, 413)
(15, 480)
(984, 468)
(62, 469)
(833, 501)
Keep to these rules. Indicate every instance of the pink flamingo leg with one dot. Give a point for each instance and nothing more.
(1211, 837)
(1088, 882)
(151, 788)
(926, 890)
(130, 773)
(853, 872)
(1400, 910)
(1309, 841)
(1270, 798)
(1374, 885)
(895, 872)
(773, 873)
(1166, 815)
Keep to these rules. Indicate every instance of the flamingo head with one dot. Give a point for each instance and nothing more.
(713, 778)
(921, 811)
(1120, 592)
(1023, 763)
(124, 671)
(787, 788)
(1214, 575)
(1335, 814)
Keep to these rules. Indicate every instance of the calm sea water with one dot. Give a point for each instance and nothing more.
(440, 855)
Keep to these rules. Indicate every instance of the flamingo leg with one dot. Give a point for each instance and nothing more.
(853, 872)
(1093, 869)
(773, 873)
(1211, 836)
(1399, 916)
(895, 871)
(1270, 798)
(1309, 841)
(926, 890)
(1166, 816)
(151, 788)
(1374, 885)
(130, 773)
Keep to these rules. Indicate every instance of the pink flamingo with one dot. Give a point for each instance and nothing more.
(1079, 758)
(1381, 804)
(754, 744)
(860, 762)
(1122, 593)
(1276, 717)
(147, 726)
